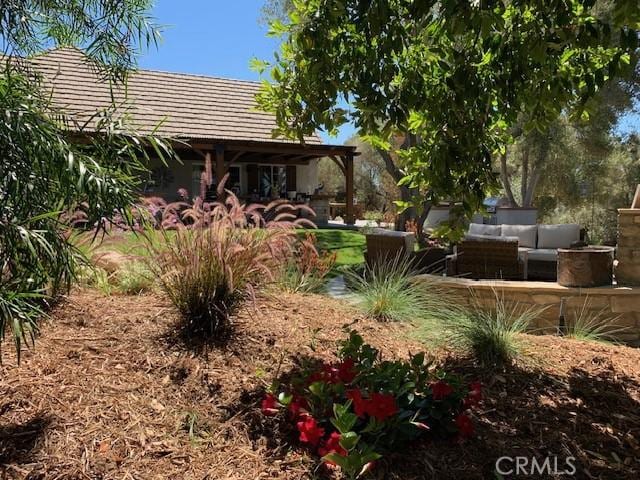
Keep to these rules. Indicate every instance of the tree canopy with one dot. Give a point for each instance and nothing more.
(451, 77)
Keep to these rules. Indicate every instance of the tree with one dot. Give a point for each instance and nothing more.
(44, 177)
(374, 187)
(551, 158)
(276, 9)
(452, 78)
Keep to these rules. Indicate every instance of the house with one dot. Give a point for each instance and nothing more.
(206, 117)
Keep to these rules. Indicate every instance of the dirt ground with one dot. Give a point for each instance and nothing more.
(112, 392)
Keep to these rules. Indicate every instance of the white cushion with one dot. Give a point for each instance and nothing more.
(543, 254)
(558, 236)
(526, 234)
(480, 229)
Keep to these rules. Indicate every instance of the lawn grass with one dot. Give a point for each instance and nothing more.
(348, 244)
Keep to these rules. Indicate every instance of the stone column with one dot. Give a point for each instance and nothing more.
(628, 269)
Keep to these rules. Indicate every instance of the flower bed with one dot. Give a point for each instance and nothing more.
(354, 411)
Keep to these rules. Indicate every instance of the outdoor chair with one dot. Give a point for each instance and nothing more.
(479, 259)
(387, 244)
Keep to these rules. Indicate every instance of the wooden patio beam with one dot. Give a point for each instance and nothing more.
(348, 164)
(281, 148)
(221, 169)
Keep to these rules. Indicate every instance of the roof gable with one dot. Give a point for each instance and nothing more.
(184, 106)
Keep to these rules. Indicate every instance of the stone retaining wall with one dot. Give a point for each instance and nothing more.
(618, 307)
(628, 254)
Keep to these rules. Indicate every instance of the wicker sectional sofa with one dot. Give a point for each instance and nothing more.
(512, 251)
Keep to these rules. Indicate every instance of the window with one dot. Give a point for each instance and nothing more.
(273, 181)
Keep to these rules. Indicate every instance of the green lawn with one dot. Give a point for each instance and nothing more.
(349, 244)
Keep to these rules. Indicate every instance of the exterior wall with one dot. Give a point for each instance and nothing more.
(617, 307)
(516, 216)
(307, 177)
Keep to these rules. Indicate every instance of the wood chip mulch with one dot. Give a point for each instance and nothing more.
(111, 391)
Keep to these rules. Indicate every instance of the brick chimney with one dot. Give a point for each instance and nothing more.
(628, 269)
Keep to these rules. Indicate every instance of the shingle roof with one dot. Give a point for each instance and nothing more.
(185, 106)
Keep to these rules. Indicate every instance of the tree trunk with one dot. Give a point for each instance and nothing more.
(406, 195)
(506, 181)
(527, 201)
(525, 174)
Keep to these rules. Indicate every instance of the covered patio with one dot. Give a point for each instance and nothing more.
(264, 170)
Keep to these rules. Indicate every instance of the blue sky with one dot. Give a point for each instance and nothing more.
(214, 37)
(220, 37)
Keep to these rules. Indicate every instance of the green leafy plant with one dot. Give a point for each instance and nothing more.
(373, 216)
(49, 185)
(306, 270)
(44, 177)
(386, 290)
(354, 411)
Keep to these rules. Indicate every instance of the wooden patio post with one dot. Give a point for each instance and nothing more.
(348, 173)
(221, 171)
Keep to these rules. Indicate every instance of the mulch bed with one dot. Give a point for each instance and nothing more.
(111, 391)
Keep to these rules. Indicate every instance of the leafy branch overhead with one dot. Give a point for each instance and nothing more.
(455, 74)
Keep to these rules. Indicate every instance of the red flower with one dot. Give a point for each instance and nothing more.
(309, 430)
(269, 405)
(297, 406)
(332, 445)
(315, 377)
(382, 406)
(465, 425)
(347, 371)
(360, 405)
(441, 390)
(475, 395)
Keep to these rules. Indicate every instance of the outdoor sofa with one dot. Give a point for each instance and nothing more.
(512, 251)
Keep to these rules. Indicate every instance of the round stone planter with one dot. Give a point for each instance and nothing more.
(585, 267)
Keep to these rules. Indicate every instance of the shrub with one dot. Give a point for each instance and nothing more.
(387, 291)
(360, 408)
(210, 256)
(43, 177)
(373, 216)
(134, 278)
(306, 270)
(96, 277)
(492, 335)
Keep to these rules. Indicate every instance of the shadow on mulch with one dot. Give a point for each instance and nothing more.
(180, 336)
(526, 413)
(19, 441)
(588, 415)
